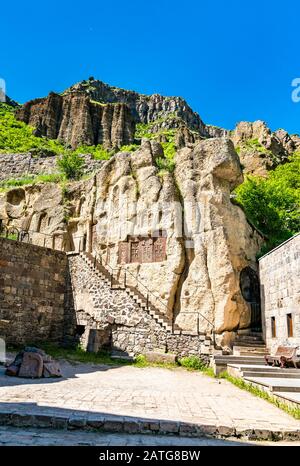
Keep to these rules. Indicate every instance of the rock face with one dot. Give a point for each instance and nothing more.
(193, 242)
(259, 149)
(75, 120)
(144, 108)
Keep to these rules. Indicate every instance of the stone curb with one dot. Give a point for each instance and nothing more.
(120, 424)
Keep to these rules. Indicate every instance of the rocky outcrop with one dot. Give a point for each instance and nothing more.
(144, 108)
(259, 149)
(208, 240)
(75, 120)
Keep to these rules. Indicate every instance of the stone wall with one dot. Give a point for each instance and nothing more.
(32, 293)
(111, 318)
(280, 293)
(18, 165)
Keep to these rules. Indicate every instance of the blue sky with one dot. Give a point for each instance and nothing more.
(231, 60)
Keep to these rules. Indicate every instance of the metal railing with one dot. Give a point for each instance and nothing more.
(148, 293)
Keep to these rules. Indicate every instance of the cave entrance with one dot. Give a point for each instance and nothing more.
(249, 285)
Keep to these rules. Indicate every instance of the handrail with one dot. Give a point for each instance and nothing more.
(156, 297)
(135, 277)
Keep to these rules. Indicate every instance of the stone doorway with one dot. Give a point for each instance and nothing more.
(249, 285)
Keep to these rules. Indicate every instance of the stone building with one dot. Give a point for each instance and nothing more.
(280, 294)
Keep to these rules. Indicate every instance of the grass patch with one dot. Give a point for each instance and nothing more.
(30, 180)
(240, 383)
(141, 361)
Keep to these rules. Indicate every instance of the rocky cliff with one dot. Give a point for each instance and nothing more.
(74, 119)
(144, 108)
(92, 112)
(260, 149)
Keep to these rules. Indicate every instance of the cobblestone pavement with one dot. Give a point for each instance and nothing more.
(151, 393)
(45, 437)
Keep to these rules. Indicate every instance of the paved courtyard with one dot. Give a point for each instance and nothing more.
(147, 393)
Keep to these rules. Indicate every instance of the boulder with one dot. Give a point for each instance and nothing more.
(32, 365)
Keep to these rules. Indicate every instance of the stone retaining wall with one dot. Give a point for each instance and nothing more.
(19, 165)
(32, 293)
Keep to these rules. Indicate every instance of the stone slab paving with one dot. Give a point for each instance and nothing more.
(134, 400)
(12, 436)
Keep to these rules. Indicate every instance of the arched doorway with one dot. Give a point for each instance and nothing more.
(249, 285)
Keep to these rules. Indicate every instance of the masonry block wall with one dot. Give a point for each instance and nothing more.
(32, 293)
(29, 164)
(280, 294)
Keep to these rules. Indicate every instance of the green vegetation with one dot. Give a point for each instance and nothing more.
(31, 179)
(97, 152)
(16, 136)
(272, 204)
(70, 163)
(144, 130)
(254, 144)
(141, 361)
(240, 383)
(129, 148)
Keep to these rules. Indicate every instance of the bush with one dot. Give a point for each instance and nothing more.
(193, 363)
(273, 203)
(97, 152)
(165, 165)
(71, 165)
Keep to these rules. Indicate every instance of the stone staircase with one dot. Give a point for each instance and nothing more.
(248, 348)
(284, 383)
(144, 302)
(249, 343)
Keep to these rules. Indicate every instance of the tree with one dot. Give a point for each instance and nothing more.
(71, 165)
(273, 203)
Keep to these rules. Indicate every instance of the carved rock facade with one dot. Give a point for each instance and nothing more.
(208, 241)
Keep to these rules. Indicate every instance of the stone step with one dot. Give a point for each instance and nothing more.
(249, 338)
(249, 351)
(250, 343)
(276, 384)
(275, 375)
(121, 355)
(249, 332)
(239, 359)
(265, 368)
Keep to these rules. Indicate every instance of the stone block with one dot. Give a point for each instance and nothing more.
(77, 422)
(187, 430)
(154, 356)
(169, 427)
(32, 366)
